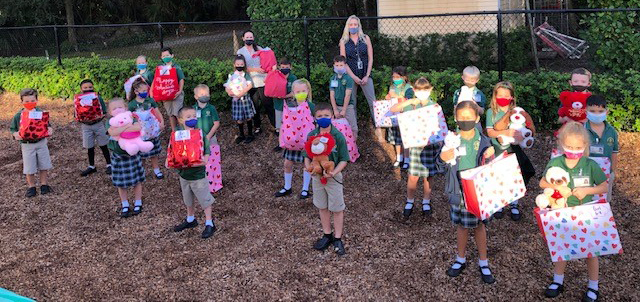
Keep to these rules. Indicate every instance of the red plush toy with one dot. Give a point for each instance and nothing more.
(318, 149)
(574, 105)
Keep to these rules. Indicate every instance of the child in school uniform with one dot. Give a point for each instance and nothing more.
(301, 90)
(340, 88)
(142, 68)
(285, 67)
(604, 138)
(502, 101)
(402, 90)
(142, 104)
(242, 109)
(126, 171)
(193, 182)
(94, 131)
(585, 180)
(470, 77)
(35, 153)
(329, 197)
(209, 123)
(174, 105)
(423, 159)
(474, 149)
(580, 82)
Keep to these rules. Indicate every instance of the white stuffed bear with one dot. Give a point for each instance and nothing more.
(452, 141)
(466, 94)
(555, 198)
(518, 121)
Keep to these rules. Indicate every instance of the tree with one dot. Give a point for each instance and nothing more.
(68, 7)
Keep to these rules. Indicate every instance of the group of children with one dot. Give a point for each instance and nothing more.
(575, 140)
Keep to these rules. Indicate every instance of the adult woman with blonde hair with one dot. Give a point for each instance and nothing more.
(357, 48)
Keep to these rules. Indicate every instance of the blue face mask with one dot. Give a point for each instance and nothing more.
(143, 94)
(354, 30)
(192, 123)
(324, 122)
(141, 66)
(597, 118)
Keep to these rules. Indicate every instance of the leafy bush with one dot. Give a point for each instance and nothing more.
(535, 92)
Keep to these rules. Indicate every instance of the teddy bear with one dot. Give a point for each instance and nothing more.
(129, 141)
(318, 149)
(520, 120)
(452, 141)
(574, 105)
(555, 198)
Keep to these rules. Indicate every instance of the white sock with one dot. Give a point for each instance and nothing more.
(399, 157)
(593, 284)
(137, 203)
(208, 222)
(191, 218)
(485, 271)
(109, 165)
(157, 171)
(287, 180)
(457, 265)
(426, 204)
(306, 180)
(409, 204)
(91, 167)
(125, 204)
(556, 279)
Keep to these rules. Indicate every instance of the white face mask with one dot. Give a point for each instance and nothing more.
(423, 95)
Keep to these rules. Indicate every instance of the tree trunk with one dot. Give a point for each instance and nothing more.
(68, 6)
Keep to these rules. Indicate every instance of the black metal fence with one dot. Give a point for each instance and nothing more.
(499, 40)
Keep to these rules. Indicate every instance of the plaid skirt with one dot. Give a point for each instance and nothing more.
(423, 160)
(459, 215)
(393, 136)
(126, 171)
(242, 109)
(294, 156)
(157, 148)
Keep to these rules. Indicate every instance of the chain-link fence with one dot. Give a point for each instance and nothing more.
(517, 40)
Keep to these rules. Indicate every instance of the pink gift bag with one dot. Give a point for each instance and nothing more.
(214, 169)
(296, 125)
(605, 165)
(343, 126)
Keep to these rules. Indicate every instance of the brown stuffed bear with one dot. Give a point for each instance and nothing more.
(506, 121)
(555, 198)
(318, 149)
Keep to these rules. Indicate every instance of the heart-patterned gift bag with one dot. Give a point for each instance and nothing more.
(87, 107)
(296, 124)
(186, 149)
(34, 125)
(422, 126)
(214, 169)
(382, 115)
(343, 126)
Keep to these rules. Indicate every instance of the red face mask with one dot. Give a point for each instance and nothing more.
(30, 105)
(503, 101)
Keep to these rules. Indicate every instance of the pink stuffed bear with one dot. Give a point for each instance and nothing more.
(130, 141)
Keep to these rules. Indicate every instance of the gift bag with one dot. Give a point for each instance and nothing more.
(489, 188)
(214, 169)
(236, 82)
(583, 231)
(267, 58)
(87, 107)
(603, 162)
(150, 124)
(186, 149)
(343, 126)
(34, 125)
(296, 125)
(382, 113)
(422, 126)
(165, 83)
(275, 84)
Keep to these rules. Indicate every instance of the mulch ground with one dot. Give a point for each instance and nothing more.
(72, 246)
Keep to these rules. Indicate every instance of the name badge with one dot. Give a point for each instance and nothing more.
(596, 149)
(581, 181)
(334, 84)
(462, 151)
(87, 100)
(182, 135)
(360, 65)
(164, 70)
(35, 115)
(198, 113)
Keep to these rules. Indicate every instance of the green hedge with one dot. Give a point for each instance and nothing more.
(536, 92)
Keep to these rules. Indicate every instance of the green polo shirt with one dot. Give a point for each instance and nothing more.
(207, 116)
(608, 143)
(15, 122)
(147, 75)
(147, 104)
(113, 144)
(478, 95)
(340, 90)
(194, 173)
(278, 103)
(340, 152)
(102, 105)
(586, 168)
(403, 91)
(411, 107)
(491, 120)
(471, 147)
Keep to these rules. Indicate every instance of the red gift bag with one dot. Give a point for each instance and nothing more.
(165, 83)
(267, 58)
(275, 85)
(34, 125)
(186, 149)
(88, 108)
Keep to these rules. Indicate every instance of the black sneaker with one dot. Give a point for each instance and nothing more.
(586, 297)
(239, 139)
(338, 247)
(488, 279)
(249, 139)
(185, 225)
(304, 194)
(277, 149)
(283, 192)
(498, 215)
(552, 293)
(208, 231)
(31, 192)
(88, 171)
(137, 209)
(108, 170)
(455, 272)
(514, 216)
(125, 214)
(323, 243)
(45, 189)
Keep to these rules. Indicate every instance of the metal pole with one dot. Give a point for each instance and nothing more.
(305, 24)
(160, 36)
(58, 52)
(500, 42)
(534, 49)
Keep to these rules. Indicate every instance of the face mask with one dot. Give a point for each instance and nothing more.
(248, 42)
(143, 95)
(87, 91)
(596, 118)
(142, 66)
(579, 88)
(191, 123)
(466, 125)
(301, 96)
(324, 122)
(339, 70)
(204, 99)
(573, 154)
(354, 30)
(422, 95)
(30, 105)
(240, 68)
(398, 82)
(167, 59)
(285, 71)
(503, 101)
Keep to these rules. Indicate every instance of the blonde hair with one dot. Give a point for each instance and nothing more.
(494, 105)
(472, 71)
(582, 71)
(306, 83)
(143, 57)
(115, 101)
(574, 129)
(201, 87)
(345, 32)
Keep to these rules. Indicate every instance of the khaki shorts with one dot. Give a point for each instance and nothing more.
(35, 157)
(172, 107)
(196, 189)
(279, 119)
(351, 118)
(91, 133)
(330, 195)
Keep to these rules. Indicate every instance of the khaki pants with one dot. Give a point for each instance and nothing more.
(172, 107)
(91, 133)
(196, 189)
(329, 196)
(35, 157)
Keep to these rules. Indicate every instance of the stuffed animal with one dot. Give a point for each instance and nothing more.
(236, 82)
(452, 141)
(318, 149)
(520, 120)
(574, 105)
(466, 94)
(130, 141)
(555, 198)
